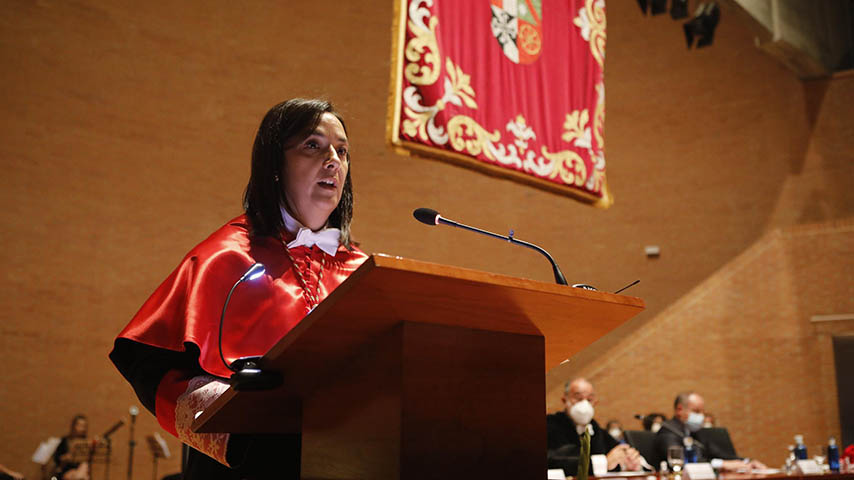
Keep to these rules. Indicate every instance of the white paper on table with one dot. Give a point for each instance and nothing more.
(699, 471)
(555, 474)
(809, 467)
(639, 473)
(45, 450)
(600, 465)
(766, 471)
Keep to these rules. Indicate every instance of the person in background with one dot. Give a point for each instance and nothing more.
(298, 206)
(7, 473)
(615, 429)
(652, 422)
(564, 430)
(688, 418)
(68, 465)
(709, 421)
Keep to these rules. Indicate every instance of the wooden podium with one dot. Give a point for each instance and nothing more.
(414, 370)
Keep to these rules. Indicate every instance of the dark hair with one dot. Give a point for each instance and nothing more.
(284, 125)
(649, 419)
(682, 399)
(74, 420)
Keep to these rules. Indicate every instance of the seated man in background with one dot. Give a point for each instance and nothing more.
(652, 422)
(565, 429)
(615, 429)
(709, 421)
(688, 419)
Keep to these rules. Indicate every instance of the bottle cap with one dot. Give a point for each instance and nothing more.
(799, 439)
(688, 442)
(831, 441)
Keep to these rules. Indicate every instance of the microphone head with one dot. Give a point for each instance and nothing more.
(133, 410)
(426, 215)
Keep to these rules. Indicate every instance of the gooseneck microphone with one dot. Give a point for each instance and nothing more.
(431, 217)
(247, 374)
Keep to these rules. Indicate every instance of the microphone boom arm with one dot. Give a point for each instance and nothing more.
(113, 429)
(559, 278)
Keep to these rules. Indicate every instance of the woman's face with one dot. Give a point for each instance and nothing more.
(81, 428)
(314, 171)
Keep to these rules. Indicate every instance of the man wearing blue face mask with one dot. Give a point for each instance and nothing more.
(688, 419)
(566, 427)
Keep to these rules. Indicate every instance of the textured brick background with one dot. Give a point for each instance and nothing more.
(126, 133)
(744, 340)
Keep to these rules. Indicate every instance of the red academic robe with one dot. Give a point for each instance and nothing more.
(185, 309)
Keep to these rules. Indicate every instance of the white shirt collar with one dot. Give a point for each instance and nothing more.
(327, 239)
(292, 225)
(580, 428)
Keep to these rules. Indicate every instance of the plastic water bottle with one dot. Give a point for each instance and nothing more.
(832, 455)
(789, 467)
(800, 448)
(690, 451)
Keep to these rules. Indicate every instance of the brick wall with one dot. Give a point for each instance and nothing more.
(126, 138)
(744, 339)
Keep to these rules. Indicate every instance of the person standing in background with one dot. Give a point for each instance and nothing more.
(298, 208)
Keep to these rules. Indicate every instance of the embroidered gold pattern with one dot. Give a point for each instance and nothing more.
(568, 166)
(591, 21)
(469, 136)
(574, 125)
(465, 134)
(422, 46)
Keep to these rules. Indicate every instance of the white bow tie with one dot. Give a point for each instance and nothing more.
(326, 239)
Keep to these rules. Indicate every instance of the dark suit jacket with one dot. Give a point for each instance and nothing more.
(564, 443)
(673, 432)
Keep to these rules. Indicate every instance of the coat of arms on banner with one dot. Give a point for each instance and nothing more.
(514, 87)
(516, 25)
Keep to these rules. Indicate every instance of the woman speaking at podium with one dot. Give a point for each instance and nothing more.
(298, 208)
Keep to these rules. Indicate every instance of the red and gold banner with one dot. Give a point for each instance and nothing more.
(513, 87)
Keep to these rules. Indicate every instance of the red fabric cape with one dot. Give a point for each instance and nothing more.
(186, 307)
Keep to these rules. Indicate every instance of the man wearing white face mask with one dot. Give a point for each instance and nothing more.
(688, 419)
(652, 422)
(566, 427)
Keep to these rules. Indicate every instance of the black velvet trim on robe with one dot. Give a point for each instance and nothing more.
(254, 456)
